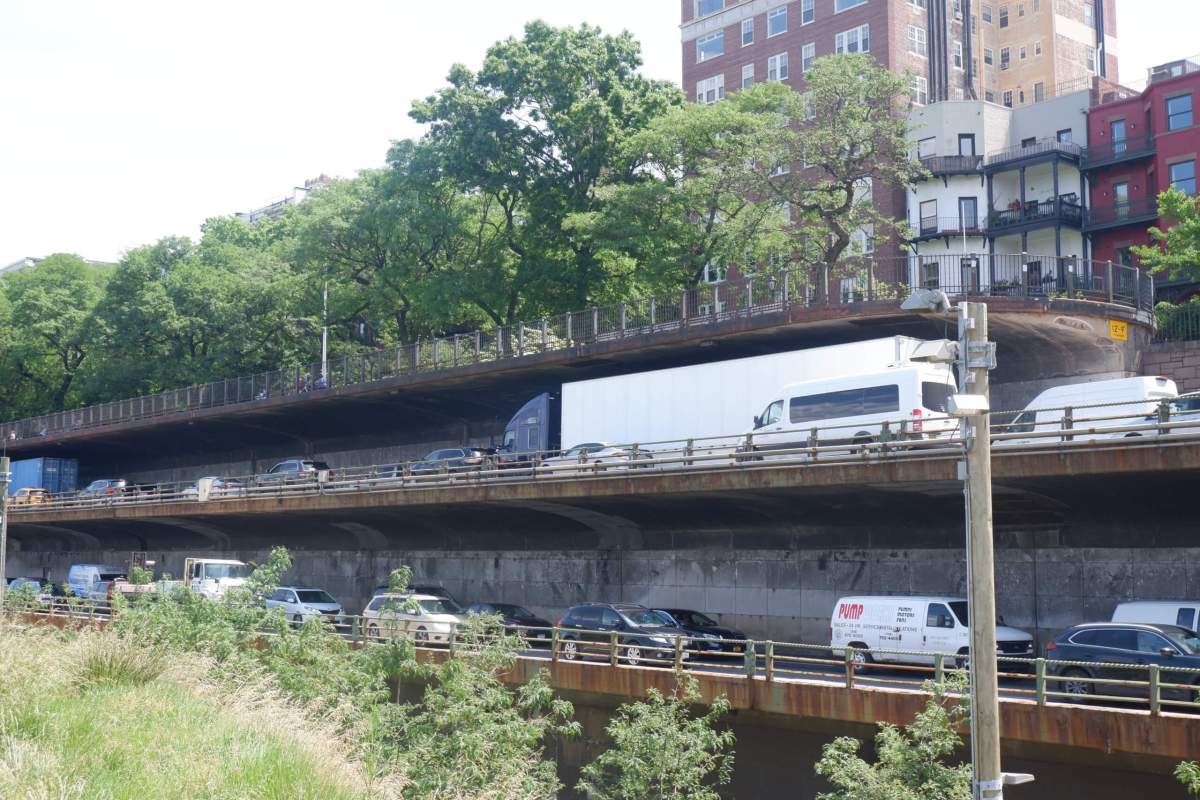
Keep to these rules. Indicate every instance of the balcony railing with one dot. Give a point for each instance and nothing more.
(1034, 212)
(1116, 152)
(931, 227)
(1138, 211)
(1038, 149)
(952, 165)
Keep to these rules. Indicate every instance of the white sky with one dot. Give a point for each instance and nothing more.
(122, 121)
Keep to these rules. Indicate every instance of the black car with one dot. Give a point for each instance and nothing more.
(1124, 651)
(452, 460)
(641, 634)
(706, 633)
(517, 619)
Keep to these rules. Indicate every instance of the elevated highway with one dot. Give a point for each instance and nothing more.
(463, 389)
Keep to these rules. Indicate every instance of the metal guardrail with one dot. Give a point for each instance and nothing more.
(1024, 677)
(1037, 149)
(854, 280)
(1149, 423)
(1179, 323)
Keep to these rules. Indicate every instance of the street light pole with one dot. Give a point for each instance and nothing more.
(3, 526)
(976, 360)
(325, 330)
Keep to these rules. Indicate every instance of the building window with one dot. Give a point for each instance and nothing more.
(1183, 176)
(782, 169)
(957, 7)
(808, 11)
(958, 93)
(1004, 58)
(863, 240)
(711, 90)
(1179, 112)
(1088, 14)
(1020, 9)
(918, 89)
(927, 148)
(777, 67)
(747, 76)
(1037, 6)
(1039, 92)
(918, 3)
(916, 40)
(1021, 53)
(776, 21)
(966, 144)
(1008, 98)
(714, 272)
(1121, 198)
(987, 13)
(958, 55)
(1066, 136)
(1021, 96)
(706, 7)
(1003, 16)
(855, 40)
(929, 220)
(968, 213)
(846, 5)
(1116, 136)
(988, 56)
(710, 46)
(1037, 47)
(808, 54)
(747, 31)
(1091, 60)
(989, 96)
(929, 274)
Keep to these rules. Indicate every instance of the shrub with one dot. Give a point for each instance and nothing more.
(107, 659)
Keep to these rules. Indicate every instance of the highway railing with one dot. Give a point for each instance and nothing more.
(848, 282)
(1120, 424)
(1023, 676)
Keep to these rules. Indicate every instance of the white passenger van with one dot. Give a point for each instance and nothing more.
(1133, 401)
(922, 626)
(1184, 613)
(851, 409)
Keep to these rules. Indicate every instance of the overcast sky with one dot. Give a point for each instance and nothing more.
(122, 121)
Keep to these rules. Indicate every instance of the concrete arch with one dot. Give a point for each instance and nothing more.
(614, 533)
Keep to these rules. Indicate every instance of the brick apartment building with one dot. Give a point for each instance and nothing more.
(1017, 53)
(1137, 147)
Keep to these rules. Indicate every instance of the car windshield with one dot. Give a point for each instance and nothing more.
(643, 616)
(516, 612)
(959, 607)
(319, 465)
(439, 606)
(217, 571)
(1188, 641)
(314, 596)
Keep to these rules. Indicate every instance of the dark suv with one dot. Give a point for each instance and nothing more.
(295, 470)
(705, 633)
(1124, 651)
(452, 460)
(642, 634)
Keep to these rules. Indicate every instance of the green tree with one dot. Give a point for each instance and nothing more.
(532, 135)
(693, 198)
(660, 750)
(846, 134)
(912, 759)
(52, 332)
(1176, 249)
(1188, 774)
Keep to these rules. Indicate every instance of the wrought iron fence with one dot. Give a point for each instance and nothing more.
(851, 281)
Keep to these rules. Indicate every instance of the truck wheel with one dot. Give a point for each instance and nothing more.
(373, 632)
(421, 636)
(297, 619)
(861, 657)
(963, 660)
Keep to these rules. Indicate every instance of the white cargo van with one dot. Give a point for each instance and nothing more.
(1184, 613)
(921, 626)
(851, 409)
(1132, 401)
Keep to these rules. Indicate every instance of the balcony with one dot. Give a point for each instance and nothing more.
(1023, 155)
(1106, 154)
(1036, 214)
(1135, 212)
(952, 165)
(938, 227)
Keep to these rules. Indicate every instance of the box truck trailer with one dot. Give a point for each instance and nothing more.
(55, 475)
(716, 401)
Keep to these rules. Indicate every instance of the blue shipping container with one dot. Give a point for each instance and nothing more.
(52, 474)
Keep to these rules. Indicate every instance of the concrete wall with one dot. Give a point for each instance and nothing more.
(1177, 360)
(786, 595)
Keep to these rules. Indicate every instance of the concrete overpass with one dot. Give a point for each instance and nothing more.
(395, 405)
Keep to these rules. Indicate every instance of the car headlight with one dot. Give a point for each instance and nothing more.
(662, 640)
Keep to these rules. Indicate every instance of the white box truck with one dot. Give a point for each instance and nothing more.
(717, 399)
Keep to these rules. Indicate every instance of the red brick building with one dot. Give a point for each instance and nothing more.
(1138, 147)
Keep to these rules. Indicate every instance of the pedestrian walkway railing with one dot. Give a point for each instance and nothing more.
(1146, 423)
(695, 311)
(1023, 676)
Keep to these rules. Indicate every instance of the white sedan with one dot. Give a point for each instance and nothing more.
(595, 457)
(422, 617)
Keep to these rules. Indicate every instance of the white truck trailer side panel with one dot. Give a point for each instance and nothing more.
(706, 400)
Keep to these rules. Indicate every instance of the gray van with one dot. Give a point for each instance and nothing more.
(91, 580)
